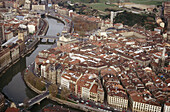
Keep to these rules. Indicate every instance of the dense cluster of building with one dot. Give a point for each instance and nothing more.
(130, 65)
(2, 101)
(166, 6)
(72, 14)
(15, 30)
(14, 23)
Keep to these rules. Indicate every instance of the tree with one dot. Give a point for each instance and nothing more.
(39, 85)
(26, 105)
(53, 89)
(65, 93)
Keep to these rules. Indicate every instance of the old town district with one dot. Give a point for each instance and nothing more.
(17, 32)
(126, 69)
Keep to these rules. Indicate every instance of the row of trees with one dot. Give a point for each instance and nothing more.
(53, 89)
(35, 81)
(82, 26)
(143, 20)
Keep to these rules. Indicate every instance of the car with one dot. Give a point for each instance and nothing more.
(77, 101)
(59, 87)
(82, 101)
(87, 103)
(102, 105)
(96, 103)
(21, 104)
(108, 107)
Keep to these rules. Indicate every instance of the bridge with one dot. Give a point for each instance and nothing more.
(49, 38)
(36, 100)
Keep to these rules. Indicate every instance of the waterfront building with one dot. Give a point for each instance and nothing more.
(8, 35)
(21, 46)
(14, 52)
(5, 58)
(2, 101)
(2, 35)
(21, 35)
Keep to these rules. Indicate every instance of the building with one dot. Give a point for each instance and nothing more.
(52, 76)
(38, 7)
(12, 108)
(63, 40)
(167, 106)
(44, 69)
(8, 35)
(2, 35)
(27, 4)
(65, 80)
(167, 16)
(5, 58)
(2, 101)
(1, 4)
(21, 35)
(21, 46)
(118, 25)
(139, 103)
(14, 51)
(8, 16)
(32, 28)
(63, 11)
(118, 99)
(9, 4)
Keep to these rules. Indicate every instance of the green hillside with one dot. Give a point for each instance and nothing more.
(147, 2)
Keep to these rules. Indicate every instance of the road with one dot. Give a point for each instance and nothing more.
(92, 104)
(38, 98)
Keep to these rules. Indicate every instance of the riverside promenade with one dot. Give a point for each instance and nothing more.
(30, 48)
(60, 101)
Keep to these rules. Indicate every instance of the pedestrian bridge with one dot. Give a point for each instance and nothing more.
(36, 100)
(48, 37)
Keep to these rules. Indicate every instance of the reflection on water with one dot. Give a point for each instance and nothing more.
(54, 27)
(11, 83)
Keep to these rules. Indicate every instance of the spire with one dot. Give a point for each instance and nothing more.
(163, 56)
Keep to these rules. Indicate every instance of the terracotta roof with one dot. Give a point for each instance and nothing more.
(94, 88)
(12, 110)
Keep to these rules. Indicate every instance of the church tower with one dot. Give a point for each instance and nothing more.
(163, 57)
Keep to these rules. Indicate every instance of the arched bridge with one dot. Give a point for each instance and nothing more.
(37, 99)
(48, 37)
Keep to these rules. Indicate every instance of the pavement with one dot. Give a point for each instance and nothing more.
(38, 98)
(92, 104)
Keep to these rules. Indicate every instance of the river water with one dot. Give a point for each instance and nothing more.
(11, 82)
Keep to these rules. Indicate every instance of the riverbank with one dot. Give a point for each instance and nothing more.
(43, 30)
(60, 101)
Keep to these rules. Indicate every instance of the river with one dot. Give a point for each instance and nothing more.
(11, 82)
